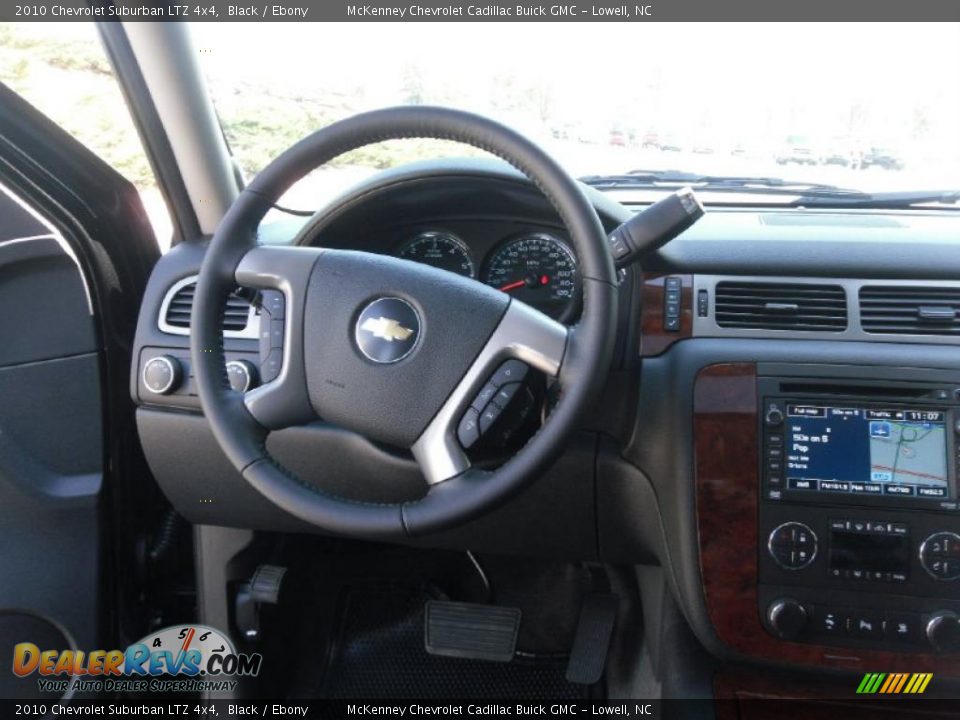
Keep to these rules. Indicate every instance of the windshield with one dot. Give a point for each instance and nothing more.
(871, 107)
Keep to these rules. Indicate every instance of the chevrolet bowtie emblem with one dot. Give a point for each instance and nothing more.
(386, 328)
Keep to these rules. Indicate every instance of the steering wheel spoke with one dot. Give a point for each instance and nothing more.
(282, 401)
(523, 334)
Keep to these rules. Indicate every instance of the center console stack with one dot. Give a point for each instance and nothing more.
(859, 526)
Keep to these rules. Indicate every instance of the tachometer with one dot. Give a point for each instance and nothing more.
(440, 250)
(537, 269)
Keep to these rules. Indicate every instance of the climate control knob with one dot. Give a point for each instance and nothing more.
(943, 631)
(242, 375)
(792, 545)
(162, 374)
(787, 618)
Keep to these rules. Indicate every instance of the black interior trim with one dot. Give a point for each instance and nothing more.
(150, 129)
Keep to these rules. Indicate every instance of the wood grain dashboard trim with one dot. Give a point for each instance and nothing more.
(725, 427)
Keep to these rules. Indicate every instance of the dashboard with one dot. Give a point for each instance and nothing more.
(780, 430)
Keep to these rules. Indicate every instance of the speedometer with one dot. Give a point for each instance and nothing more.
(537, 269)
(441, 250)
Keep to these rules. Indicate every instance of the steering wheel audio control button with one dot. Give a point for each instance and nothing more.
(468, 432)
(488, 417)
(505, 394)
(510, 371)
(484, 396)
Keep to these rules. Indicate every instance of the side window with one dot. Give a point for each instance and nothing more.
(62, 69)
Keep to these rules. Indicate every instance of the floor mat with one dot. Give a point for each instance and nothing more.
(379, 653)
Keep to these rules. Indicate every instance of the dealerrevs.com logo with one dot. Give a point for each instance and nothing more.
(187, 658)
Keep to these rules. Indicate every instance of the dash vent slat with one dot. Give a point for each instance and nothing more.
(781, 306)
(910, 310)
(235, 318)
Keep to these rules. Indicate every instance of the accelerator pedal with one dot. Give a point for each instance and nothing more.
(468, 630)
(598, 614)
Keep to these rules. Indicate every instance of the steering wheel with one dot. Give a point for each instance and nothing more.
(395, 350)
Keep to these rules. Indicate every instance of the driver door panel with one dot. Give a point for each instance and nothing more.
(51, 446)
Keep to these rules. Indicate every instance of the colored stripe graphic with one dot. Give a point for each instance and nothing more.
(901, 683)
(894, 683)
(891, 679)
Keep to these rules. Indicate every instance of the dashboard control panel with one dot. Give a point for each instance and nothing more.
(824, 623)
(859, 530)
(165, 374)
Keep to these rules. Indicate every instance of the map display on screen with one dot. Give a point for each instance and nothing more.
(871, 451)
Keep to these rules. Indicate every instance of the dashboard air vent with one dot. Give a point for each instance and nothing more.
(781, 306)
(181, 304)
(910, 310)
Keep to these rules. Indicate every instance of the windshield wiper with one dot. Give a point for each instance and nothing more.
(805, 194)
(716, 183)
(883, 200)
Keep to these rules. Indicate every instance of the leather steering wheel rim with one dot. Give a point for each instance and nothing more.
(581, 366)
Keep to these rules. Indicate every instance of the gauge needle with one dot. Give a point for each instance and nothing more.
(531, 281)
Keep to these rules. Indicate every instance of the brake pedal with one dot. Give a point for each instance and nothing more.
(468, 630)
(598, 614)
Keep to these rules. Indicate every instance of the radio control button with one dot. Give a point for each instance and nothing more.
(943, 631)
(787, 618)
(775, 439)
(827, 621)
(902, 627)
(468, 432)
(866, 625)
(774, 416)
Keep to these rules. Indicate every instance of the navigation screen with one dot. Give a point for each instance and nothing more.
(867, 451)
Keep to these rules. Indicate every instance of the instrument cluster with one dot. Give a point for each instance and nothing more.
(537, 268)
